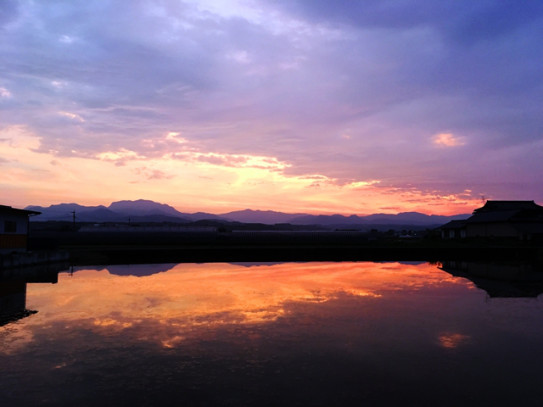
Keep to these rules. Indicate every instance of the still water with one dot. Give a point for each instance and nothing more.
(300, 334)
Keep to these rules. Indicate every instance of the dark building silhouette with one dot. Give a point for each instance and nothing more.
(522, 220)
(13, 285)
(13, 302)
(14, 229)
(500, 280)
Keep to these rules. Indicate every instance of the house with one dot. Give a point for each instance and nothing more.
(522, 220)
(14, 225)
(455, 229)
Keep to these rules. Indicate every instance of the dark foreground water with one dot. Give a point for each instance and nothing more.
(309, 334)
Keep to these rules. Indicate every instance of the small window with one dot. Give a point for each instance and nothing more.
(10, 226)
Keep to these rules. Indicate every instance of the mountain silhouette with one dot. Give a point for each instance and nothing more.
(256, 216)
(142, 207)
(405, 218)
(142, 210)
(122, 211)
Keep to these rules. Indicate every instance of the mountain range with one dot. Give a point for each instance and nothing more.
(148, 211)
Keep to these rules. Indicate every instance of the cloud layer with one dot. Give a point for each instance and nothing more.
(439, 101)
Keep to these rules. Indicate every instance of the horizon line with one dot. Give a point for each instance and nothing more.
(310, 213)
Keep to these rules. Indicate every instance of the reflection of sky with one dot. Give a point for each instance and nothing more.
(191, 296)
(315, 329)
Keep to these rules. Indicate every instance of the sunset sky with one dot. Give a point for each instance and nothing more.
(351, 107)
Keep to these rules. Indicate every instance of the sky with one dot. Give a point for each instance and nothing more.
(350, 107)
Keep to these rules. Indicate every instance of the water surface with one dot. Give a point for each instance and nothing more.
(303, 334)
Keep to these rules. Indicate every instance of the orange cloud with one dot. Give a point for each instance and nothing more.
(452, 340)
(447, 140)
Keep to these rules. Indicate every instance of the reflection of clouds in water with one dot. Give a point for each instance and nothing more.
(287, 333)
(453, 340)
(172, 342)
(361, 293)
(190, 298)
(110, 322)
(14, 337)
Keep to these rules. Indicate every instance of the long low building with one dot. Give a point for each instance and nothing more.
(522, 220)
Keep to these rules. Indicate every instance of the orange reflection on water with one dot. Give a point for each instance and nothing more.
(452, 340)
(190, 297)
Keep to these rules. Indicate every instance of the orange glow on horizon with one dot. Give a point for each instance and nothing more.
(191, 181)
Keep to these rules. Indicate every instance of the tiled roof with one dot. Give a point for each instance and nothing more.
(498, 216)
(504, 211)
(494, 206)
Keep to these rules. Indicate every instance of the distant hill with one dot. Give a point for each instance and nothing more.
(404, 218)
(202, 216)
(137, 211)
(149, 211)
(328, 220)
(143, 207)
(66, 211)
(255, 216)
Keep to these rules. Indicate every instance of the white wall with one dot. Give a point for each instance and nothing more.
(21, 222)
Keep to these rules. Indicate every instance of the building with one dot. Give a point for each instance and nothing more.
(455, 229)
(522, 220)
(14, 226)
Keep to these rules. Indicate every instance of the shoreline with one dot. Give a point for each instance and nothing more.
(133, 248)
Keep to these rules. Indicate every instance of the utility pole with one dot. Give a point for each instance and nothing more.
(73, 220)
